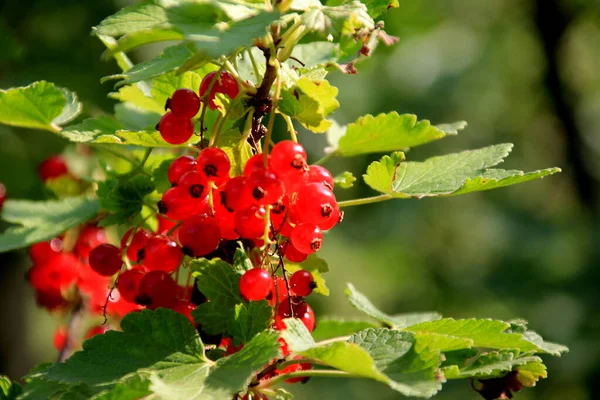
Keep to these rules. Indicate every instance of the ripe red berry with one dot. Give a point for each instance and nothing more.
(302, 283)
(184, 103)
(90, 237)
(128, 283)
(235, 195)
(157, 289)
(162, 253)
(175, 130)
(193, 184)
(199, 235)
(185, 308)
(52, 167)
(177, 204)
(56, 274)
(255, 284)
(43, 252)
(307, 238)
(318, 174)
(60, 339)
(250, 222)
(265, 187)
(308, 318)
(288, 157)
(296, 368)
(135, 247)
(279, 290)
(214, 165)
(96, 330)
(106, 259)
(314, 203)
(255, 163)
(292, 308)
(180, 166)
(225, 83)
(2, 195)
(293, 254)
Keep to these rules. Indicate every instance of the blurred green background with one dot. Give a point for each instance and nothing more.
(520, 71)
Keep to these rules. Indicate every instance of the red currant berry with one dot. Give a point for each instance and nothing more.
(52, 167)
(177, 204)
(279, 212)
(214, 165)
(184, 103)
(2, 195)
(293, 254)
(106, 259)
(318, 174)
(296, 368)
(250, 222)
(185, 308)
(157, 289)
(308, 318)
(279, 289)
(334, 218)
(96, 330)
(194, 184)
(128, 283)
(175, 130)
(288, 157)
(255, 163)
(225, 83)
(56, 274)
(162, 253)
(180, 166)
(255, 284)
(265, 187)
(294, 307)
(61, 338)
(90, 237)
(199, 235)
(165, 225)
(135, 247)
(226, 222)
(307, 238)
(302, 283)
(43, 252)
(235, 195)
(314, 203)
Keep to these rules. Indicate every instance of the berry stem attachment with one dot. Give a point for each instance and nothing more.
(319, 373)
(273, 108)
(290, 125)
(366, 200)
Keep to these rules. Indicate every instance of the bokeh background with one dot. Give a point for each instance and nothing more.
(520, 71)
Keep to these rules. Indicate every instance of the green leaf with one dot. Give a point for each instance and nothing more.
(310, 102)
(160, 341)
(169, 60)
(496, 363)
(139, 38)
(546, 347)
(43, 220)
(330, 328)
(124, 197)
(9, 390)
(134, 118)
(40, 105)
(164, 86)
(529, 374)
(133, 18)
(105, 130)
(345, 180)
(239, 150)
(160, 176)
(341, 19)
(228, 376)
(384, 133)
(378, 7)
(226, 39)
(362, 303)
(132, 387)
(316, 266)
(485, 333)
(226, 312)
(66, 186)
(344, 356)
(446, 175)
(134, 95)
(410, 365)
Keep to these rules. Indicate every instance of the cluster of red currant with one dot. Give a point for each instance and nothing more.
(176, 126)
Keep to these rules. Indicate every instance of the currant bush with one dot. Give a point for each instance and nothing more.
(203, 254)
